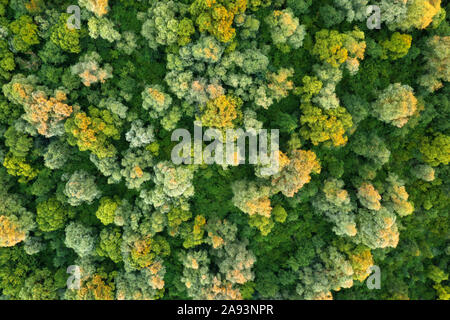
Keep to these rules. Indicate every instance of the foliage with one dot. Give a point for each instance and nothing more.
(357, 177)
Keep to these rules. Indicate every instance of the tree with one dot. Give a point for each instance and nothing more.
(47, 113)
(336, 48)
(297, 173)
(164, 25)
(138, 135)
(108, 166)
(106, 210)
(89, 70)
(65, 38)
(438, 66)
(98, 7)
(249, 26)
(331, 272)
(144, 251)
(377, 229)
(7, 63)
(103, 28)
(25, 33)
(361, 262)
(135, 163)
(221, 112)
(369, 196)
(19, 167)
(19, 144)
(419, 14)
(436, 150)
(396, 104)
(81, 188)
(156, 101)
(253, 198)
(97, 288)
(393, 12)
(397, 47)
(115, 106)
(51, 215)
(80, 238)
(397, 196)
(195, 237)
(424, 172)
(371, 147)
(286, 30)
(329, 47)
(217, 17)
(335, 204)
(42, 112)
(299, 6)
(10, 232)
(236, 263)
(56, 155)
(233, 260)
(9, 112)
(142, 285)
(280, 83)
(92, 132)
(355, 10)
(110, 244)
(330, 16)
(173, 187)
(40, 285)
(322, 125)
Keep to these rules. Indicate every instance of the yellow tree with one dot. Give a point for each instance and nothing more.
(321, 125)
(396, 104)
(361, 261)
(98, 7)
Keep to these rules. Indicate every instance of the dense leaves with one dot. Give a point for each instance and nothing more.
(88, 188)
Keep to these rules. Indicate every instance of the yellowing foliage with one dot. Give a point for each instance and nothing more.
(47, 112)
(10, 233)
(324, 296)
(421, 12)
(145, 251)
(330, 48)
(389, 235)
(221, 112)
(20, 168)
(98, 7)
(361, 262)
(96, 289)
(297, 173)
(369, 196)
(259, 206)
(217, 16)
(396, 104)
(280, 83)
(321, 125)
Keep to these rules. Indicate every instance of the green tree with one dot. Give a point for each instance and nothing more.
(25, 33)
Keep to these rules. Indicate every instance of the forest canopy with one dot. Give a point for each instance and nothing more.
(93, 207)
